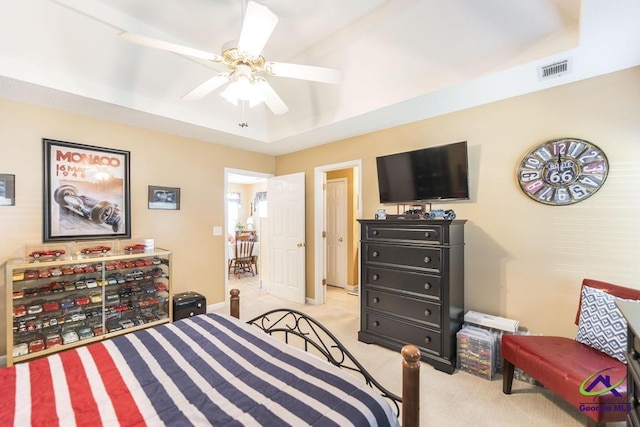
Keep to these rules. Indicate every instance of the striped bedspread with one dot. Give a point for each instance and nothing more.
(206, 370)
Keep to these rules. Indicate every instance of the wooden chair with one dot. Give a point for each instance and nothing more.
(243, 262)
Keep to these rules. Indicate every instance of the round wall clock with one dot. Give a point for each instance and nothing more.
(563, 171)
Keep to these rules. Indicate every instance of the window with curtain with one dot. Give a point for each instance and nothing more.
(260, 203)
(233, 211)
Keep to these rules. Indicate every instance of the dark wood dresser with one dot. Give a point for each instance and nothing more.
(412, 286)
(631, 312)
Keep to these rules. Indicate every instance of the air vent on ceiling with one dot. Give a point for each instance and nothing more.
(556, 69)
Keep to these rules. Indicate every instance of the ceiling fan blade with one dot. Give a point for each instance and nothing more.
(304, 72)
(257, 27)
(171, 47)
(207, 87)
(271, 98)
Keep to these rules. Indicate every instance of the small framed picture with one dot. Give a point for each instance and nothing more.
(164, 198)
(7, 189)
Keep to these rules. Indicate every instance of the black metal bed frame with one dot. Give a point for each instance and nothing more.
(287, 322)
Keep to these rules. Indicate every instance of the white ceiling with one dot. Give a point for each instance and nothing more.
(403, 60)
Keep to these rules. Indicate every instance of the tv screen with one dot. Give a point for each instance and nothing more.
(429, 174)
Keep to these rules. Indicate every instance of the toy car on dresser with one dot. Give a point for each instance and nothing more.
(448, 215)
(99, 212)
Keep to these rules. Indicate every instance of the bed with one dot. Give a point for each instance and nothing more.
(210, 369)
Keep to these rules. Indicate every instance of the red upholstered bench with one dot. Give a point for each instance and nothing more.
(564, 365)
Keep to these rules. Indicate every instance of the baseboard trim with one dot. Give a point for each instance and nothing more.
(311, 301)
(214, 307)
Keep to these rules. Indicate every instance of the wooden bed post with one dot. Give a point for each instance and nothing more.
(410, 386)
(234, 303)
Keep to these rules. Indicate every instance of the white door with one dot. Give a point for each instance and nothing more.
(285, 210)
(337, 232)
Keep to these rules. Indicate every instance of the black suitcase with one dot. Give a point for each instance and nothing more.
(187, 304)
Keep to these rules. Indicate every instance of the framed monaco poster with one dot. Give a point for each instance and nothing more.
(86, 192)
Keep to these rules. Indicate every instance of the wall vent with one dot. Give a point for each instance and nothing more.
(556, 69)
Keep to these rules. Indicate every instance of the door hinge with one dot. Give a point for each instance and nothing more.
(324, 234)
(324, 282)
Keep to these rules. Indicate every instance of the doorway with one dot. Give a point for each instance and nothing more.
(245, 215)
(351, 172)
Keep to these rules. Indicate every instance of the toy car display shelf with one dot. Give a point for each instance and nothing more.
(55, 302)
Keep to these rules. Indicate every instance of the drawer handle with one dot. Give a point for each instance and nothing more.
(374, 232)
(376, 300)
(427, 259)
(427, 286)
(199, 305)
(427, 313)
(375, 254)
(427, 234)
(376, 324)
(191, 314)
(427, 340)
(375, 277)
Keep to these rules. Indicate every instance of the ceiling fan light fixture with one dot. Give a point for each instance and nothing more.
(242, 88)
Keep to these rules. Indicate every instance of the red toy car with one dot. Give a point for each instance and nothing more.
(82, 300)
(51, 305)
(53, 340)
(53, 252)
(134, 247)
(36, 345)
(96, 250)
(31, 274)
(19, 311)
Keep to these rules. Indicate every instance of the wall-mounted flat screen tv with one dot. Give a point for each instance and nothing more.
(429, 174)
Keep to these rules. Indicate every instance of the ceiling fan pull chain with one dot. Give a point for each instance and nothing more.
(243, 123)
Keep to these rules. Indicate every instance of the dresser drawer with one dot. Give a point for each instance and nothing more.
(404, 333)
(426, 285)
(403, 256)
(410, 308)
(426, 233)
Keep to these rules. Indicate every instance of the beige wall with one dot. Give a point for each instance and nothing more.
(156, 159)
(524, 260)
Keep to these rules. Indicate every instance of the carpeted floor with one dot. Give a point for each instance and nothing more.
(456, 400)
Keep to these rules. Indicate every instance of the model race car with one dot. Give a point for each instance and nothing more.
(448, 215)
(99, 212)
(95, 250)
(47, 253)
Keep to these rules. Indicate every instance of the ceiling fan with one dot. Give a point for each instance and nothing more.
(245, 62)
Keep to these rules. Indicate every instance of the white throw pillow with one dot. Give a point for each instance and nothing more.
(601, 325)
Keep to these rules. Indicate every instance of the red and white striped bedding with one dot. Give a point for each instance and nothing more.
(205, 370)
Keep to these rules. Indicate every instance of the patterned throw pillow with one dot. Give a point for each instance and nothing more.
(601, 325)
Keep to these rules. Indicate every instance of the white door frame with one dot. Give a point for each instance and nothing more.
(318, 216)
(228, 171)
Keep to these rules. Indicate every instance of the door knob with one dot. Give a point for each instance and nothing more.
(340, 239)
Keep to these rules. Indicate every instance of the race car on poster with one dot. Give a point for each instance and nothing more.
(99, 212)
